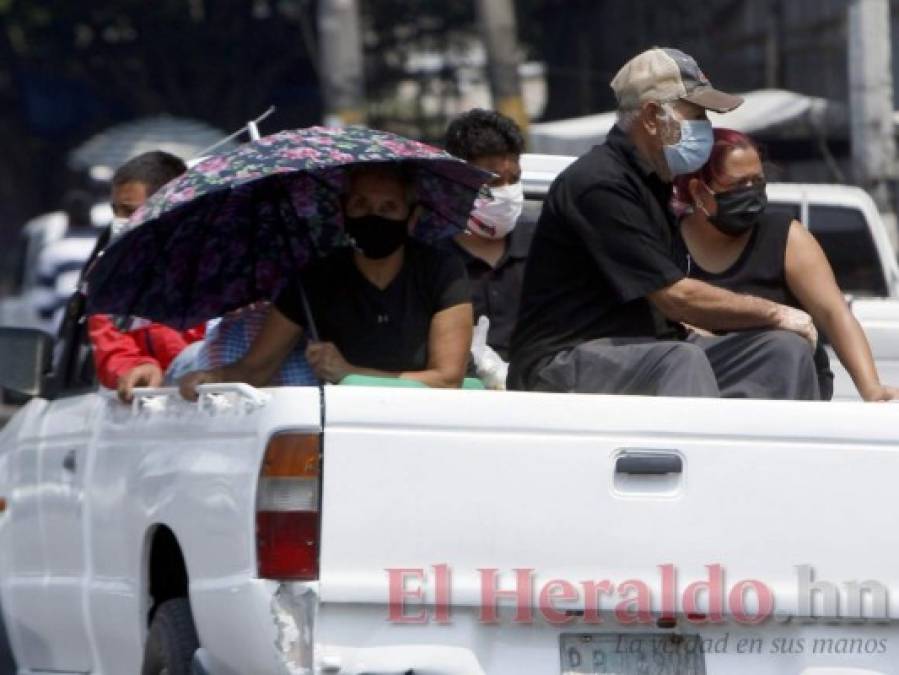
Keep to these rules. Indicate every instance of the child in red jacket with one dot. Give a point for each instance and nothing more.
(137, 357)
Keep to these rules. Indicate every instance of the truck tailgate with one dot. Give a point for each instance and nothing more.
(582, 488)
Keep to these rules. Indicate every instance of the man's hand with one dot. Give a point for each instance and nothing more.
(797, 321)
(188, 384)
(144, 375)
(327, 362)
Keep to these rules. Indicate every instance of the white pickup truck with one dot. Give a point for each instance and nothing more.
(386, 531)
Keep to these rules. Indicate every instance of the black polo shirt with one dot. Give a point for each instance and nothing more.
(382, 329)
(604, 241)
(496, 291)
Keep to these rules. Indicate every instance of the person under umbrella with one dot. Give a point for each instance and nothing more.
(255, 224)
(390, 307)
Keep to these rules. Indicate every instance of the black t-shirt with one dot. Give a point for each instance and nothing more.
(604, 241)
(496, 291)
(761, 271)
(373, 328)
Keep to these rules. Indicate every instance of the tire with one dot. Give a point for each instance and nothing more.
(172, 640)
(7, 664)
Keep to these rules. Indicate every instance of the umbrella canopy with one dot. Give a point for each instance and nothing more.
(237, 227)
(113, 147)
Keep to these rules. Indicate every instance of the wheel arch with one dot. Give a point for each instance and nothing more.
(165, 570)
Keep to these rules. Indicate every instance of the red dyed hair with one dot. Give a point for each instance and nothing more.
(726, 141)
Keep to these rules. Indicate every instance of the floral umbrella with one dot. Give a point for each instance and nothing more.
(236, 227)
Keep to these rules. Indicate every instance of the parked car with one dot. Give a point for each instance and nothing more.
(362, 530)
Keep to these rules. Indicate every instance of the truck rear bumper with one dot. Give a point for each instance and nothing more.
(265, 627)
(358, 640)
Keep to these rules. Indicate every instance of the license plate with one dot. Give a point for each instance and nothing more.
(632, 654)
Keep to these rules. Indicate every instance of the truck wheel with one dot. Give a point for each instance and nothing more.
(172, 640)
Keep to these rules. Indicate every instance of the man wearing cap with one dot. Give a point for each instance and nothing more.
(605, 301)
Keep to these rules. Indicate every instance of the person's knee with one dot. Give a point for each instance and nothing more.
(789, 348)
(686, 371)
(687, 355)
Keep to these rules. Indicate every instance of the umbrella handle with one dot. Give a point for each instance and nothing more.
(311, 330)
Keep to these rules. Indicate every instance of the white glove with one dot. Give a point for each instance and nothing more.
(489, 366)
(797, 321)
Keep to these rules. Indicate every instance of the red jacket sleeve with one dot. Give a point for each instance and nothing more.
(115, 352)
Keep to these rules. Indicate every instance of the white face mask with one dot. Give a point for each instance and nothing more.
(117, 227)
(495, 218)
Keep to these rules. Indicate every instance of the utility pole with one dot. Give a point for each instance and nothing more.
(340, 65)
(871, 102)
(774, 45)
(498, 29)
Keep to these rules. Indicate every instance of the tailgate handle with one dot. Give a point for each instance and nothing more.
(649, 463)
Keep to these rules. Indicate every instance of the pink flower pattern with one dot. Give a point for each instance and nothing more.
(237, 226)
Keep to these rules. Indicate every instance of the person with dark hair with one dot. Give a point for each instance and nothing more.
(137, 179)
(495, 245)
(729, 240)
(130, 353)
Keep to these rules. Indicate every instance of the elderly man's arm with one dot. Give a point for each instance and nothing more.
(700, 304)
(633, 253)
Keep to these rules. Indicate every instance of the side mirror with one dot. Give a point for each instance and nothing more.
(26, 357)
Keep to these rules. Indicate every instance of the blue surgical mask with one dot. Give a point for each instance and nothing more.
(693, 149)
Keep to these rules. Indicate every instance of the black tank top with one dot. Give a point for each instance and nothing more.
(761, 271)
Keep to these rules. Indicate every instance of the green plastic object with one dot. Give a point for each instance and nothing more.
(373, 381)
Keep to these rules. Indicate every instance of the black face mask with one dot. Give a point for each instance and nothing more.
(375, 236)
(740, 209)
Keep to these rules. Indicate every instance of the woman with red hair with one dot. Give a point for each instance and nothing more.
(729, 240)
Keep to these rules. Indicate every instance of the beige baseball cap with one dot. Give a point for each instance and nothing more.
(665, 74)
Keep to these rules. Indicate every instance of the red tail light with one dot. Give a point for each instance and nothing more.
(287, 508)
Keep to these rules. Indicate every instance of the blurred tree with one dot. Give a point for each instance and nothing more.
(414, 42)
(69, 69)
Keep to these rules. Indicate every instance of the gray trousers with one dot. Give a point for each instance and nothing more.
(772, 364)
